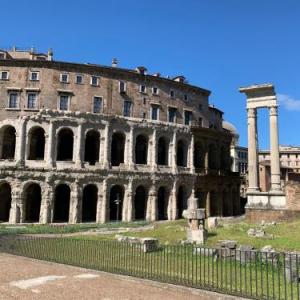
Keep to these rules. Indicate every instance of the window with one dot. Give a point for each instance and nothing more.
(64, 102)
(4, 75)
(94, 80)
(122, 87)
(2, 56)
(127, 109)
(144, 115)
(187, 117)
(186, 97)
(64, 78)
(154, 112)
(172, 114)
(97, 105)
(172, 94)
(32, 100)
(142, 88)
(155, 90)
(79, 79)
(200, 122)
(13, 101)
(144, 101)
(200, 107)
(34, 76)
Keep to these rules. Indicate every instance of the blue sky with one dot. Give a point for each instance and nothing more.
(217, 44)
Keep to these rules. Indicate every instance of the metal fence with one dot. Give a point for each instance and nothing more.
(251, 274)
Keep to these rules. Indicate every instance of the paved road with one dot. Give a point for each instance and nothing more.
(28, 279)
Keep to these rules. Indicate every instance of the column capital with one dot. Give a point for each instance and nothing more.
(252, 112)
(273, 111)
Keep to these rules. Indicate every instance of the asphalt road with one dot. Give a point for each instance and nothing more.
(29, 279)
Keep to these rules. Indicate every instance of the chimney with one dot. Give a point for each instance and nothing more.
(50, 54)
(114, 63)
(141, 70)
(179, 78)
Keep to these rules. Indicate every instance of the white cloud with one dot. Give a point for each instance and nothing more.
(288, 102)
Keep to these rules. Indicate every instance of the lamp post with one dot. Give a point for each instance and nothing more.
(117, 202)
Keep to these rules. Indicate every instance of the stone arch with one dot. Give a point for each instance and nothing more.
(162, 203)
(212, 156)
(89, 203)
(65, 144)
(140, 203)
(62, 197)
(199, 155)
(163, 151)
(5, 201)
(181, 153)
(92, 147)
(117, 148)
(141, 149)
(7, 142)
(116, 198)
(36, 143)
(181, 200)
(32, 197)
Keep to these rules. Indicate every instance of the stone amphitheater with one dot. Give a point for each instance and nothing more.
(91, 143)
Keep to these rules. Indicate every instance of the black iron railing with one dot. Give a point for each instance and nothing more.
(251, 274)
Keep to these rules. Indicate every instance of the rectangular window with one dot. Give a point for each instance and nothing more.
(13, 100)
(186, 97)
(172, 114)
(142, 88)
(4, 75)
(31, 100)
(2, 56)
(122, 87)
(94, 81)
(172, 94)
(97, 105)
(64, 102)
(79, 79)
(200, 122)
(64, 78)
(187, 117)
(200, 107)
(154, 112)
(155, 90)
(127, 109)
(34, 76)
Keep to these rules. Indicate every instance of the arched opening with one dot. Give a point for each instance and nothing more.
(140, 203)
(236, 202)
(212, 157)
(89, 203)
(162, 203)
(223, 159)
(198, 155)
(33, 199)
(62, 203)
(214, 204)
(227, 204)
(116, 198)
(92, 146)
(36, 143)
(201, 196)
(5, 201)
(181, 201)
(117, 149)
(162, 152)
(181, 156)
(141, 150)
(65, 140)
(8, 142)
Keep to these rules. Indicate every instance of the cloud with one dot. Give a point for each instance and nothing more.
(288, 102)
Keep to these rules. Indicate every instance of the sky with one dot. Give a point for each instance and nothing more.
(218, 45)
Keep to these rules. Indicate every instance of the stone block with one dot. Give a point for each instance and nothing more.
(292, 267)
(227, 244)
(195, 214)
(204, 251)
(212, 222)
(150, 244)
(198, 236)
(245, 254)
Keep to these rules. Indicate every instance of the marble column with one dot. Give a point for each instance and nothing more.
(252, 151)
(79, 147)
(50, 148)
(130, 149)
(274, 150)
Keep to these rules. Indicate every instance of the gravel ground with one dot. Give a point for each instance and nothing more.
(29, 279)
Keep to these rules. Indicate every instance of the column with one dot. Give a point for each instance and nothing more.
(75, 204)
(151, 211)
(274, 150)
(79, 148)
(15, 211)
(47, 199)
(206, 159)
(172, 209)
(154, 150)
(130, 149)
(21, 142)
(174, 163)
(102, 204)
(207, 206)
(252, 151)
(191, 154)
(49, 154)
(127, 215)
(106, 148)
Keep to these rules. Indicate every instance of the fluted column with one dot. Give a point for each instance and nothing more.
(21, 142)
(274, 150)
(154, 150)
(49, 154)
(252, 151)
(79, 147)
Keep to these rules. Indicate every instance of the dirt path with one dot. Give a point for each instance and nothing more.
(28, 279)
